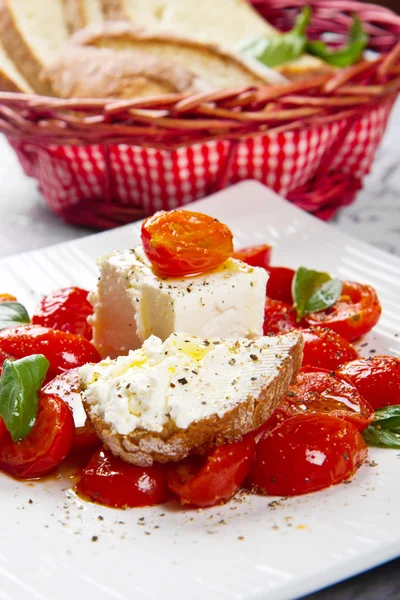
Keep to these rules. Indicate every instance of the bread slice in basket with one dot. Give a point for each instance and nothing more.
(11, 79)
(80, 13)
(220, 68)
(186, 395)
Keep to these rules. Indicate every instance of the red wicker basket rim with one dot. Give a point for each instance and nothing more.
(177, 120)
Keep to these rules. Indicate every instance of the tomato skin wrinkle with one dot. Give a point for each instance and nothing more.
(215, 478)
(326, 349)
(305, 454)
(181, 243)
(66, 310)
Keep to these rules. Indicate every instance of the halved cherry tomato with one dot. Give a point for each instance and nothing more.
(65, 310)
(110, 481)
(326, 349)
(255, 256)
(3, 357)
(279, 317)
(376, 378)
(66, 387)
(3, 430)
(305, 454)
(355, 313)
(181, 242)
(7, 298)
(63, 350)
(317, 391)
(48, 443)
(205, 481)
(279, 285)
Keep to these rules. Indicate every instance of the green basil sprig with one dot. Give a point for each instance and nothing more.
(346, 56)
(12, 314)
(274, 50)
(313, 291)
(384, 431)
(19, 383)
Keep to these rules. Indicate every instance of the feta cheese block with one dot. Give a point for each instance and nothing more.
(132, 302)
(169, 398)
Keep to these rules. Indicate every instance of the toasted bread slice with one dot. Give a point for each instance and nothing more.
(11, 79)
(193, 399)
(84, 72)
(221, 68)
(31, 31)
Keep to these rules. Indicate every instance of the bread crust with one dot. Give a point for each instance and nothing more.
(143, 447)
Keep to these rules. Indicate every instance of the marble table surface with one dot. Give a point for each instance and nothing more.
(25, 224)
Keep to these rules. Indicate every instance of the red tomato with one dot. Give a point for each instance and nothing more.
(3, 430)
(63, 350)
(7, 298)
(48, 443)
(66, 387)
(110, 481)
(66, 310)
(305, 454)
(376, 378)
(205, 481)
(3, 357)
(255, 256)
(181, 242)
(279, 317)
(279, 285)
(326, 349)
(355, 313)
(320, 391)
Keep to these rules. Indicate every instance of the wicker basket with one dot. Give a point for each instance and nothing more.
(102, 163)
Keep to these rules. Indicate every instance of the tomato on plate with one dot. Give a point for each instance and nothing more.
(7, 298)
(305, 454)
(255, 256)
(215, 478)
(180, 242)
(110, 481)
(3, 358)
(355, 313)
(65, 310)
(66, 387)
(377, 379)
(279, 317)
(322, 392)
(63, 350)
(48, 443)
(326, 349)
(279, 285)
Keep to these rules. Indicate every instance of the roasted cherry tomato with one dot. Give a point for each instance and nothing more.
(305, 454)
(376, 378)
(66, 387)
(48, 443)
(66, 310)
(181, 242)
(255, 256)
(320, 391)
(205, 481)
(279, 285)
(110, 481)
(355, 313)
(3, 357)
(63, 350)
(326, 349)
(3, 430)
(7, 298)
(279, 317)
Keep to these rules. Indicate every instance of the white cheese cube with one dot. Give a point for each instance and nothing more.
(132, 302)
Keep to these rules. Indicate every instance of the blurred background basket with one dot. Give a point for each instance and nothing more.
(102, 163)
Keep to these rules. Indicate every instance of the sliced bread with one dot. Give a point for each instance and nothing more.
(31, 31)
(80, 13)
(85, 72)
(220, 68)
(11, 79)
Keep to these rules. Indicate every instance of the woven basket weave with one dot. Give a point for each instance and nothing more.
(102, 163)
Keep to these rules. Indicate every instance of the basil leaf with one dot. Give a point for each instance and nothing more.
(275, 49)
(314, 291)
(384, 431)
(346, 56)
(19, 383)
(12, 314)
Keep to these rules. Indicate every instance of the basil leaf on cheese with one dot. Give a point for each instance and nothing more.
(12, 314)
(384, 431)
(314, 291)
(19, 383)
(274, 50)
(346, 56)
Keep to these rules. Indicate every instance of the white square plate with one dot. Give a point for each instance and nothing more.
(56, 548)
